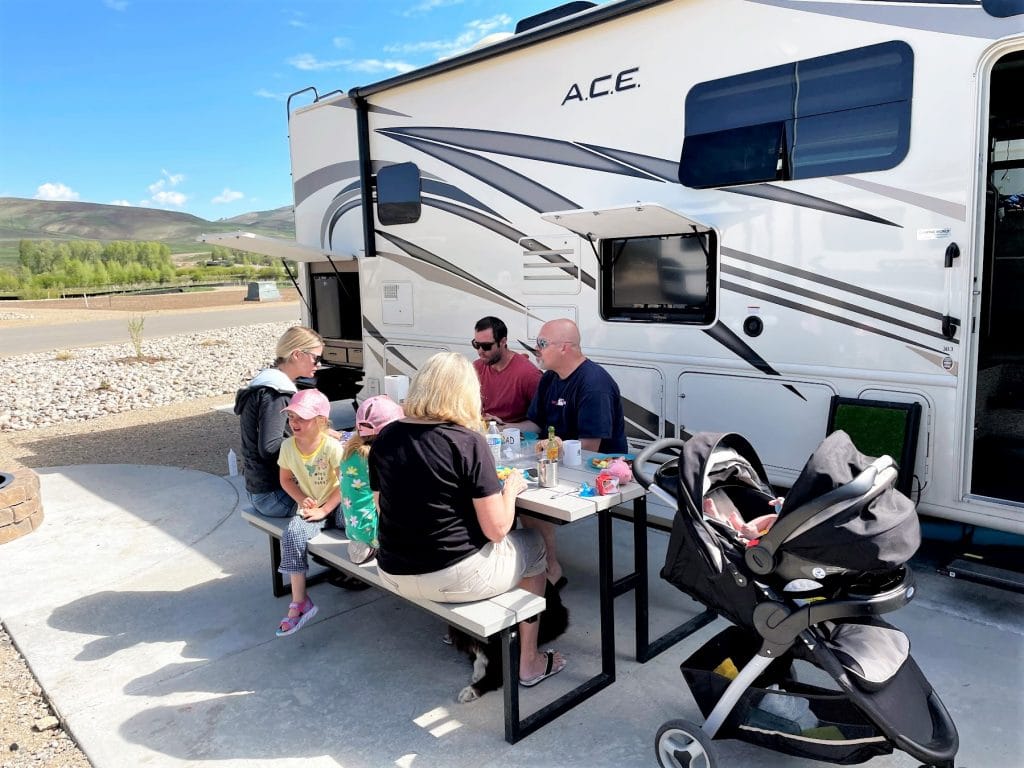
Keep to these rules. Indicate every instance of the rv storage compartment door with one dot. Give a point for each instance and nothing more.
(783, 419)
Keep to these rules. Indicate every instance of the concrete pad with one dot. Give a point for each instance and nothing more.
(143, 606)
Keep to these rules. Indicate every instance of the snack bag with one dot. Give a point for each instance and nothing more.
(619, 468)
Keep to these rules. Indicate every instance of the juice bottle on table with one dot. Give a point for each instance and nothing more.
(551, 449)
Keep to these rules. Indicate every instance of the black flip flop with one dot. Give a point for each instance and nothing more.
(549, 671)
(560, 584)
(350, 583)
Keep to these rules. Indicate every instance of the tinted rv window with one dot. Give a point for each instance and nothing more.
(398, 194)
(848, 112)
(660, 279)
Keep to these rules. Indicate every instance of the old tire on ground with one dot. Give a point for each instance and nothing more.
(682, 744)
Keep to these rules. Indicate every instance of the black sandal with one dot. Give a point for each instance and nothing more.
(343, 581)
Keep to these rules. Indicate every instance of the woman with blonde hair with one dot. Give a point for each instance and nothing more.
(259, 407)
(445, 521)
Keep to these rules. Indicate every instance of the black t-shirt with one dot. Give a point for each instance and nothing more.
(428, 476)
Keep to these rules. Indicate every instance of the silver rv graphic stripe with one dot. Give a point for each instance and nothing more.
(512, 234)
(814, 277)
(322, 177)
(792, 197)
(956, 211)
(515, 185)
(960, 20)
(666, 170)
(815, 296)
(773, 299)
(724, 336)
(332, 216)
(518, 145)
(446, 268)
(372, 331)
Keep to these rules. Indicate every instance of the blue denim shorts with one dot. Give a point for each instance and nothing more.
(273, 504)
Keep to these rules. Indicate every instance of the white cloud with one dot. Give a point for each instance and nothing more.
(167, 197)
(116, 5)
(55, 191)
(473, 32)
(263, 93)
(341, 42)
(426, 6)
(125, 203)
(378, 65)
(307, 62)
(169, 179)
(227, 196)
(310, 63)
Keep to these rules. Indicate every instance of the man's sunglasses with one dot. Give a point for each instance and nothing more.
(484, 345)
(545, 343)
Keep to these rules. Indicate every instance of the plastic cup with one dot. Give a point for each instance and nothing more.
(572, 453)
(529, 443)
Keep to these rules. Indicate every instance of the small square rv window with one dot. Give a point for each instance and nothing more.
(398, 194)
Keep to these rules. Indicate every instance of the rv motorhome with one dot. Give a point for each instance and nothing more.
(766, 216)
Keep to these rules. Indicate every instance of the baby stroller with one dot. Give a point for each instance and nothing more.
(809, 586)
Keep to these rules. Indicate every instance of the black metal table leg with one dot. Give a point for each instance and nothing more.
(277, 579)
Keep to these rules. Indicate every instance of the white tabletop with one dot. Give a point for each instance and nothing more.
(563, 502)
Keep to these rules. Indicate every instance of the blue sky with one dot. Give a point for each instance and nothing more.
(180, 104)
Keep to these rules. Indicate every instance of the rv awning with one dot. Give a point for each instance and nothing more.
(271, 246)
(636, 220)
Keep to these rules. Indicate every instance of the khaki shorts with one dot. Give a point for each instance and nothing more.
(494, 570)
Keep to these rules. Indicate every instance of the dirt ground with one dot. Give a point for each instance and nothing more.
(113, 306)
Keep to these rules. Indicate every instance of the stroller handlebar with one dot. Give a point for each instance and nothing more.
(643, 475)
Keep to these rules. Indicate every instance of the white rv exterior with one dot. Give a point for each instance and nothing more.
(535, 152)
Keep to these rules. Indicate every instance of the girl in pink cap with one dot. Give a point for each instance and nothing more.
(309, 474)
(357, 507)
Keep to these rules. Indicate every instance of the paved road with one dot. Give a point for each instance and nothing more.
(45, 338)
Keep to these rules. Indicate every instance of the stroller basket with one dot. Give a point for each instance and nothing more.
(776, 711)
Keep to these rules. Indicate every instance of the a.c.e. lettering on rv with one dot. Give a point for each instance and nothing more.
(604, 85)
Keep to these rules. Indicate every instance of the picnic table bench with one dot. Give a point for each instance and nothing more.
(482, 619)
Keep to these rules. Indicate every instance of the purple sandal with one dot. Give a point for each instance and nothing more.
(290, 624)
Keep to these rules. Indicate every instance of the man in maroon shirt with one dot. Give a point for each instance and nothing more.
(508, 380)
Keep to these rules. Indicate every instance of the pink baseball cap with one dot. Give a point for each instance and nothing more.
(307, 403)
(375, 413)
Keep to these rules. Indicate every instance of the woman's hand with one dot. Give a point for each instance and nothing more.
(514, 484)
(308, 503)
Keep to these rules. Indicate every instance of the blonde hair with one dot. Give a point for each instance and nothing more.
(296, 338)
(356, 444)
(445, 389)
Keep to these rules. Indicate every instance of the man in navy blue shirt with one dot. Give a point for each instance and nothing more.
(581, 401)
(576, 396)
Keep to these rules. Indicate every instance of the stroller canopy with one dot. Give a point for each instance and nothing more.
(876, 534)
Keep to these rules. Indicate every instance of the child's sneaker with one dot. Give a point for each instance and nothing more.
(290, 624)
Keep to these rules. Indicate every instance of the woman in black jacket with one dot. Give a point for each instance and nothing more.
(263, 424)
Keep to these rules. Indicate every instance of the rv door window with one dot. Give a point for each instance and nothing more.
(847, 112)
(398, 194)
(658, 279)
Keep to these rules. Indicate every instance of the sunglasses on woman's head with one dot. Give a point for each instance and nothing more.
(484, 345)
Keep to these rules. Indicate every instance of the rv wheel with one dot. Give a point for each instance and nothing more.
(682, 744)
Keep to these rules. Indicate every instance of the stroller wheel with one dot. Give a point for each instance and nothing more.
(682, 744)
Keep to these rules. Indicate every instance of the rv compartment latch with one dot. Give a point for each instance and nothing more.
(949, 326)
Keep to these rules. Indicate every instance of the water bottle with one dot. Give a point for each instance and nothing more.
(494, 440)
(232, 462)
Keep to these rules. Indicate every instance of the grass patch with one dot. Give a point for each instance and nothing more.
(64, 354)
(212, 343)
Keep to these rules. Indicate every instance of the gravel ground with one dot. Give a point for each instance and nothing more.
(162, 412)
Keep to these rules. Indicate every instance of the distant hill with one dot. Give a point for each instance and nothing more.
(52, 220)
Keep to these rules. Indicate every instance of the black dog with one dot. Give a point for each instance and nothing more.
(486, 657)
